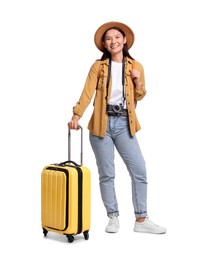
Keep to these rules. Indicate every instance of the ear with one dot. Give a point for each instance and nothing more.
(124, 40)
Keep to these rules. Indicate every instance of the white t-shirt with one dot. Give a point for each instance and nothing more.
(116, 96)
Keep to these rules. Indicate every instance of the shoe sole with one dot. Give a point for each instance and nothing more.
(111, 231)
(150, 232)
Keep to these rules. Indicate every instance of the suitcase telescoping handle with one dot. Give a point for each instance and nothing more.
(69, 145)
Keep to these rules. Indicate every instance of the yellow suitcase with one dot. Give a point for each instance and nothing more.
(65, 198)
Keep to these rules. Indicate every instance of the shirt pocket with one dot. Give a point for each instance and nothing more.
(101, 84)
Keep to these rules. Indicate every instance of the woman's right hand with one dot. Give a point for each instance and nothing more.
(74, 123)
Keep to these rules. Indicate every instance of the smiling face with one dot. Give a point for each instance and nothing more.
(114, 41)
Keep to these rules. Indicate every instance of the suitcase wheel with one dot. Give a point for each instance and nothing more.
(86, 234)
(45, 232)
(70, 238)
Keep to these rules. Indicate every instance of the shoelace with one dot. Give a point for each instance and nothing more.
(111, 221)
(152, 223)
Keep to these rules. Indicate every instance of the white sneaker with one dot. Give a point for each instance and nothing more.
(113, 225)
(148, 227)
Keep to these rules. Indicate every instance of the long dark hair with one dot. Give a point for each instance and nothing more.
(106, 54)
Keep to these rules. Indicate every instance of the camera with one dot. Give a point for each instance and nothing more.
(118, 109)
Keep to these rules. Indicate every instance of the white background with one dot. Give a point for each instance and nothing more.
(46, 50)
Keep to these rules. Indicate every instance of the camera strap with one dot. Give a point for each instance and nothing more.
(108, 79)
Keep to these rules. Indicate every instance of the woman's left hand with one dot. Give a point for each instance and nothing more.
(135, 74)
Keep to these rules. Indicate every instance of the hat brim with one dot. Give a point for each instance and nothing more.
(103, 28)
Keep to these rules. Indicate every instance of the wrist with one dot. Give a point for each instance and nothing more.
(139, 85)
(75, 117)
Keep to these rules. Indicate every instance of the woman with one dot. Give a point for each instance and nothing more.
(117, 80)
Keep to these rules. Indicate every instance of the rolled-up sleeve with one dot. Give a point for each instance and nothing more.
(87, 92)
(140, 90)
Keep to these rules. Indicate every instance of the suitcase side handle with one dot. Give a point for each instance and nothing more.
(69, 146)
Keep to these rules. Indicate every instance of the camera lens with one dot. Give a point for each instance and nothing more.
(116, 108)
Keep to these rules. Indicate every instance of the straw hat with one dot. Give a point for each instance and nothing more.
(103, 28)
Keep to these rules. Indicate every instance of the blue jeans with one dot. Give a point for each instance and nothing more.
(118, 136)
